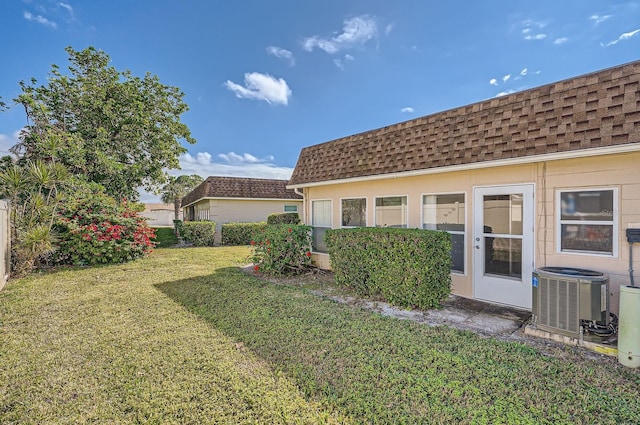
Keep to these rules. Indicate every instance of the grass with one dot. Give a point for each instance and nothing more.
(185, 337)
(104, 345)
(165, 237)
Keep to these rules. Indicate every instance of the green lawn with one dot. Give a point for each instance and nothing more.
(165, 237)
(185, 337)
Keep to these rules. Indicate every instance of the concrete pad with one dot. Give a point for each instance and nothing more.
(447, 315)
(607, 350)
(456, 312)
(493, 324)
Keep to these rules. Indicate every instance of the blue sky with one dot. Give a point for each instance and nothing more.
(264, 79)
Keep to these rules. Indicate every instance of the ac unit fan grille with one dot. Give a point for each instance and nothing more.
(559, 305)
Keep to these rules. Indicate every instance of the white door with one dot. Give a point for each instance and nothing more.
(503, 244)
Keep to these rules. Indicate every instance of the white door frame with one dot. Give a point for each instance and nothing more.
(503, 289)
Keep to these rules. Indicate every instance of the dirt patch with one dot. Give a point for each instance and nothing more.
(313, 276)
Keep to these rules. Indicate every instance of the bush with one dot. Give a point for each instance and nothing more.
(282, 249)
(283, 218)
(407, 267)
(241, 233)
(199, 233)
(96, 229)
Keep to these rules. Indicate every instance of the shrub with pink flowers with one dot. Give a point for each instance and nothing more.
(97, 230)
(282, 249)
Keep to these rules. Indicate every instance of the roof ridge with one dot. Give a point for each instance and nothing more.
(597, 109)
(241, 187)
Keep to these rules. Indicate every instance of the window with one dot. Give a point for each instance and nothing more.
(203, 215)
(587, 221)
(291, 208)
(321, 221)
(447, 212)
(391, 211)
(191, 214)
(354, 212)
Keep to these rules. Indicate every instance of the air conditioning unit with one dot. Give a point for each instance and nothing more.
(572, 302)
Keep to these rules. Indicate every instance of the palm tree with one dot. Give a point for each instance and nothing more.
(177, 188)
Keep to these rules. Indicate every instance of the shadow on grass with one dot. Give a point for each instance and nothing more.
(379, 369)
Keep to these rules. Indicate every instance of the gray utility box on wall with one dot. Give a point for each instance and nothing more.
(564, 298)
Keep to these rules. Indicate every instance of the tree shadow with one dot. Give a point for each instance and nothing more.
(349, 359)
(273, 321)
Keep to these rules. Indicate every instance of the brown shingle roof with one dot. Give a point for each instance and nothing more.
(240, 187)
(600, 109)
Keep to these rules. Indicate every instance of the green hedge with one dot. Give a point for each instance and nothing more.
(282, 249)
(407, 267)
(283, 218)
(199, 233)
(240, 233)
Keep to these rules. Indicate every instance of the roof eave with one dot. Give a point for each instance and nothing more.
(584, 153)
(206, 198)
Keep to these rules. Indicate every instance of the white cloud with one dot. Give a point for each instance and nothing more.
(536, 37)
(7, 141)
(531, 30)
(68, 7)
(261, 87)
(201, 158)
(522, 74)
(340, 63)
(625, 36)
(530, 23)
(407, 109)
(236, 166)
(355, 32)
(599, 18)
(245, 158)
(560, 40)
(245, 165)
(628, 35)
(309, 43)
(504, 93)
(282, 54)
(39, 19)
(148, 198)
(388, 29)
(70, 15)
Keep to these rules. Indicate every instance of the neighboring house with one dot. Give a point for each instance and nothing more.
(160, 215)
(239, 199)
(544, 177)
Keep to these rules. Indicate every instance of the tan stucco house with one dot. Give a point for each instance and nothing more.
(544, 177)
(160, 214)
(239, 199)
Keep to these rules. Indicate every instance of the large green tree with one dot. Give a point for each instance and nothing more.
(177, 188)
(105, 126)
